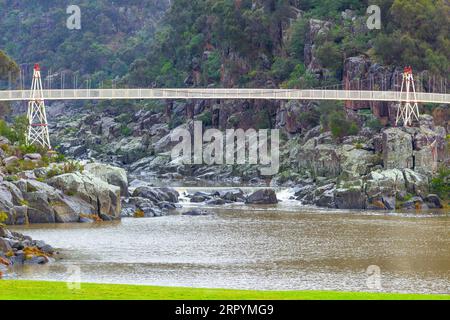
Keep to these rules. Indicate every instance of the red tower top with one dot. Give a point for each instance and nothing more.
(408, 70)
(37, 67)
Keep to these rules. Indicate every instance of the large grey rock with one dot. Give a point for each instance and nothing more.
(320, 159)
(326, 199)
(356, 162)
(416, 183)
(10, 161)
(264, 196)
(397, 149)
(98, 193)
(32, 156)
(385, 183)
(351, 197)
(157, 195)
(112, 175)
(433, 201)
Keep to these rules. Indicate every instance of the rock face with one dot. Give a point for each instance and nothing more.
(147, 202)
(112, 175)
(264, 196)
(17, 249)
(397, 149)
(96, 192)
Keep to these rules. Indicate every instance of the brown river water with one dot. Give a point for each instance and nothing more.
(282, 247)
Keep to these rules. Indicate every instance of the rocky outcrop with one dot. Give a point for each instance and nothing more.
(147, 201)
(96, 192)
(113, 175)
(397, 149)
(17, 249)
(264, 196)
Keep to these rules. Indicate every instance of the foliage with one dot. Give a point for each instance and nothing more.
(416, 34)
(3, 218)
(110, 39)
(125, 130)
(440, 184)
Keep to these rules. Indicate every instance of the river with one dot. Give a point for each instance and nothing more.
(282, 247)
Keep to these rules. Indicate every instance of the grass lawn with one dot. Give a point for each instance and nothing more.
(42, 290)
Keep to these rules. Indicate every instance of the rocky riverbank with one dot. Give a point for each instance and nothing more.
(382, 167)
(18, 249)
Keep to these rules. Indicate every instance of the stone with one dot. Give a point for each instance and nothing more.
(416, 203)
(355, 162)
(5, 245)
(433, 201)
(32, 156)
(96, 192)
(397, 149)
(10, 161)
(216, 202)
(350, 198)
(112, 175)
(319, 159)
(263, 196)
(416, 183)
(385, 183)
(230, 195)
(156, 194)
(199, 198)
(325, 199)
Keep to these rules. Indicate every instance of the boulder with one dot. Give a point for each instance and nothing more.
(415, 203)
(230, 195)
(10, 161)
(325, 199)
(350, 198)
(382, 183)
(356, 162)
(5, 245)
(416, 183)
(397, 149)
(433, 201)
(320, 159)
(156, 195)
(263, 196)
(112, 175)
(32, 156)
(96, 192)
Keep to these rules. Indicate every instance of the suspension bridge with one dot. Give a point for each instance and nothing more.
(407, 99)
(215, 93)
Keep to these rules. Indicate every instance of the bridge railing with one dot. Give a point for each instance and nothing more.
(219, 93)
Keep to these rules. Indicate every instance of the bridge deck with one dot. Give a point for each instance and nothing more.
(212, 93)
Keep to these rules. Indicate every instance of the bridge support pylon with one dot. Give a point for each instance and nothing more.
(37, 131)
(408, 108)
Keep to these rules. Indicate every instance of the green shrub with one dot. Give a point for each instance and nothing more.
(125, 130)
(440, 184)
(3, 217)
(340, 126)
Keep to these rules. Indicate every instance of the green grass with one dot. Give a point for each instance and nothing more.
(42, 290)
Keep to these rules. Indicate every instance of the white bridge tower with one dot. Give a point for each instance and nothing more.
(408, 108)
(37, 132)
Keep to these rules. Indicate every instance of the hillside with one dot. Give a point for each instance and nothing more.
(112, 35)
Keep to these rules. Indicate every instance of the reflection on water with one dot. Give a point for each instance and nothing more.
(281, 247)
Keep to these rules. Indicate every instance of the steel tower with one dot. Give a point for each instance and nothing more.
(37, 132)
